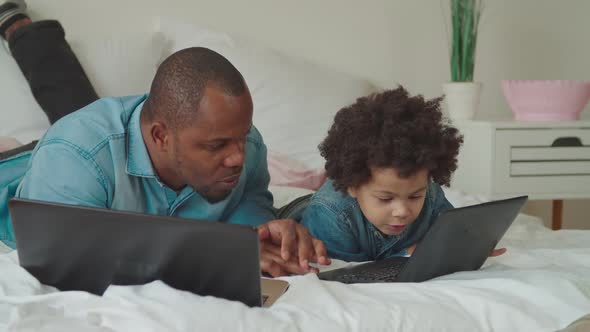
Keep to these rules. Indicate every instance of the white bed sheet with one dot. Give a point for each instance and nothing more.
(541, 284)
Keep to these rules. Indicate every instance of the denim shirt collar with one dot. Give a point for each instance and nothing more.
(384, 242)
(138, 160)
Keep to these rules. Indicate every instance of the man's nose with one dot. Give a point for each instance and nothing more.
(237, 156)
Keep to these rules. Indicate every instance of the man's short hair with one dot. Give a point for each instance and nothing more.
(181, 80)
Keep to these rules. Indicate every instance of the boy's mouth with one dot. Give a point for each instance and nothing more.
(397, 228)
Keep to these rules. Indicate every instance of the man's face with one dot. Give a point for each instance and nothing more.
(209, 153)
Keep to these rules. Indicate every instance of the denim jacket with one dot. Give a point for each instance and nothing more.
(339, 222)
(96, 157)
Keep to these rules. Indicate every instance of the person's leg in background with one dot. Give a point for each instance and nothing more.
(55, 75)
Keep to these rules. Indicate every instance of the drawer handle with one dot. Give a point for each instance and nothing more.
(567, 141)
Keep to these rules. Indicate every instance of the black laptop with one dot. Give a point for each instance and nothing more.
(461, 239)
(80, 248)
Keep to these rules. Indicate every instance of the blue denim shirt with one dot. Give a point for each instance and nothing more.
(339, 222)
(96, 157)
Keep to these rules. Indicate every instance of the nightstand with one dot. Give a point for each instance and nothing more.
(542, 160)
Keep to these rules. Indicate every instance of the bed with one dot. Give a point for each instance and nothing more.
(541, 284)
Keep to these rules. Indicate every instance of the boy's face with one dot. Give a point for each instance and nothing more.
(391, 202)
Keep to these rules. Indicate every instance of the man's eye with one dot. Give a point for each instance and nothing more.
(214, 147)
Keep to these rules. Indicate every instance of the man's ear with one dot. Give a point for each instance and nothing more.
(160, 135)
(352, 192)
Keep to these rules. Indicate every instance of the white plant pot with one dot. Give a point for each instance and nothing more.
(462, 99)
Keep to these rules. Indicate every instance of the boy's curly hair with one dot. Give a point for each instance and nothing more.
(390, 129)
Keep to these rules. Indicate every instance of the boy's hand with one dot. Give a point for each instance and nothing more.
(410, 249)
(497, 252)
(287, 247)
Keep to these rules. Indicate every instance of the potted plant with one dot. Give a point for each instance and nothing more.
(462, 93)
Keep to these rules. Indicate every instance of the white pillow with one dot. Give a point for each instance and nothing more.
(460, 198)
(294, 100)
(122, 64)
(20, 115)
(117, 65)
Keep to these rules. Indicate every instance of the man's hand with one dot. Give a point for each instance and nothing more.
(287, 247)
(272, 263)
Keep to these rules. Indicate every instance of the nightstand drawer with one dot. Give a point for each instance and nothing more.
(551, 168)
(552, 153)
(542, 137)
(544, 161)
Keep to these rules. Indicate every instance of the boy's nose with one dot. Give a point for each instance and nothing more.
(400, 211)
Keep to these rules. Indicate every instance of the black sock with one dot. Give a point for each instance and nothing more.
(9, 23)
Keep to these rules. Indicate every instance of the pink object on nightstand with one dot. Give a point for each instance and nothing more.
(546, 100)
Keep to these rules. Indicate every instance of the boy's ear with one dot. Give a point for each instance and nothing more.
(352, 192)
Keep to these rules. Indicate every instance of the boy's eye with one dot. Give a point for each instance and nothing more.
(385, 199)
(416, 197)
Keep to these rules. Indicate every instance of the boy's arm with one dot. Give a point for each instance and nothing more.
(336, 233)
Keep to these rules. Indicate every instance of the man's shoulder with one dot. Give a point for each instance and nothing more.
(254, 137)
(255, 149)
(93, 125)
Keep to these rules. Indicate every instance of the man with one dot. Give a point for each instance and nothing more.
(188, 149)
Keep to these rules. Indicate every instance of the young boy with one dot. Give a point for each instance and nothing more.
(387, 156)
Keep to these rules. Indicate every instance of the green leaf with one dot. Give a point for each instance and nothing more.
(465, 16)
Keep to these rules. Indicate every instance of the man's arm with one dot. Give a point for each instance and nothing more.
(285, 246)
(60, 173)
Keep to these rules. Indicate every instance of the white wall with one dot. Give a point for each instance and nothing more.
(387, 41)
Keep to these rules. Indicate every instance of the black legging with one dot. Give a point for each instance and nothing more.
(55, 76)
(57, 80)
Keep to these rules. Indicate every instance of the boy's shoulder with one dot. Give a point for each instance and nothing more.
(435, 192)
(327, 196)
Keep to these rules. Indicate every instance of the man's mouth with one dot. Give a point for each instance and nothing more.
(230, 181)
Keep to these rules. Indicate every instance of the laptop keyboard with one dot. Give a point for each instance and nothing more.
(385, 274)
(382, 271)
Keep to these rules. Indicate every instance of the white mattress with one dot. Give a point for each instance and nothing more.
(541, 284)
